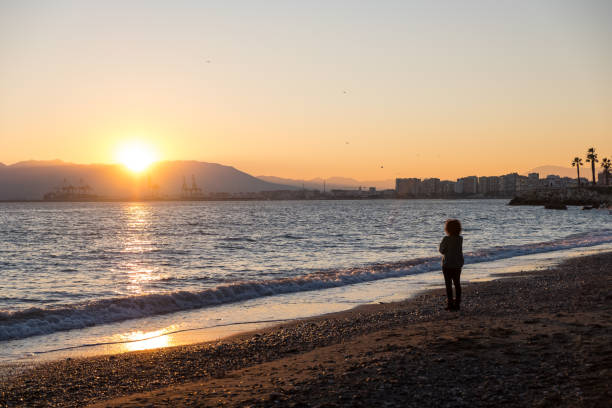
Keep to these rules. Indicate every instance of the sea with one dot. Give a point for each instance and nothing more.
(80, 279)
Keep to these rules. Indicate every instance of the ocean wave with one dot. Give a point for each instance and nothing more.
(40, 321)
(238, 239)
(290, 236)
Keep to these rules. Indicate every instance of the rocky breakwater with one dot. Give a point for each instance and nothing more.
(590, 197)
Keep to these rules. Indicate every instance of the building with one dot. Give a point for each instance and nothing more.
(407, 187)
(446, 187)
(569, 182)
(430, 187)
(553, 181)
(483, 185)
(469, 185)
(495, 185)
(509, 183)
(489, 185)
(458, 186)
(522, 183)
(533, 181)
(601, 178)
(341, 193)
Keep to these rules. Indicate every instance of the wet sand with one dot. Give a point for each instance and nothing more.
(539, 338)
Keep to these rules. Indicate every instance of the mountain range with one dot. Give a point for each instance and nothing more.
(31, 180)
(330, 183)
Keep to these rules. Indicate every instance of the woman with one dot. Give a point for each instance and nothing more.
(451, 248)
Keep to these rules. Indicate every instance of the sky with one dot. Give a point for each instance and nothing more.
(371, 90)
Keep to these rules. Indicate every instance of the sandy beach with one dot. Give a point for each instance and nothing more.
(539, 338)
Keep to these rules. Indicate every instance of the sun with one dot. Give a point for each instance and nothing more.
(136, 156)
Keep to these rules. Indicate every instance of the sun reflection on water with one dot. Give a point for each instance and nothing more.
(136, 243)
(139, 340)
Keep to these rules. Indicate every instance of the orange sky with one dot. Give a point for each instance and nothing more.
(367, 91)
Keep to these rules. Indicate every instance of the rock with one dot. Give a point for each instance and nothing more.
(555, 206)
(590, 196)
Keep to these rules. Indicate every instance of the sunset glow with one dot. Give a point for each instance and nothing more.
(136, 156)
(421, 95)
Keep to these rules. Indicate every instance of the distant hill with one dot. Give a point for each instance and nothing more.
(40, 163)
(31, 180)
(330, 183)
(557, 170)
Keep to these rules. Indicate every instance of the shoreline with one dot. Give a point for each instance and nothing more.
(212, 324)
(188, 374)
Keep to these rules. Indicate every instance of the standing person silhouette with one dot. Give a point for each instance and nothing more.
(451, 249)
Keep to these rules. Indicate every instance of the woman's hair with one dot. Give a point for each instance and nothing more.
(452, 227)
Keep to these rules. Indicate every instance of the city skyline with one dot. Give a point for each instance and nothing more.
(309, 90)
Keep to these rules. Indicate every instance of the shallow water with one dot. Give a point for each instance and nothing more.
(117, 272)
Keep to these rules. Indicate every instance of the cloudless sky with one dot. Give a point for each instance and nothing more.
(300, 89)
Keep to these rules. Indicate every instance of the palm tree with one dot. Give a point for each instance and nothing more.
(592, 158)
(606, 163)
(577, 162)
